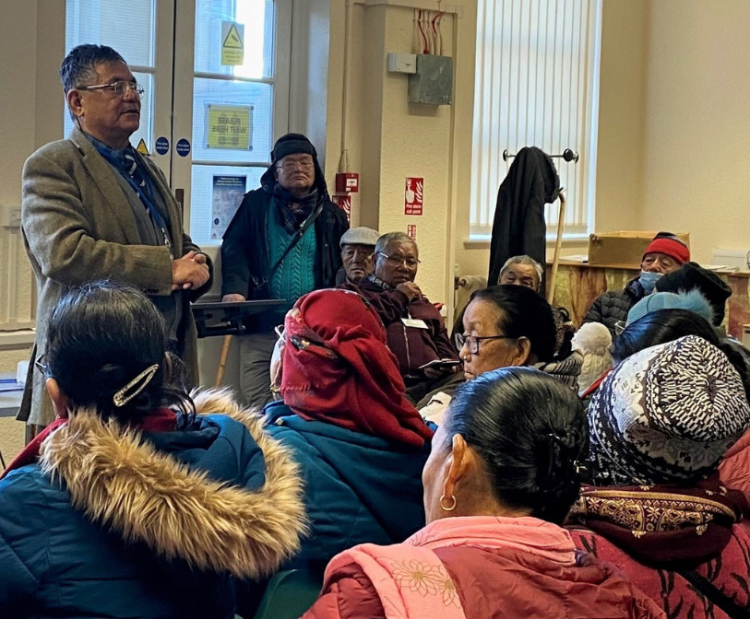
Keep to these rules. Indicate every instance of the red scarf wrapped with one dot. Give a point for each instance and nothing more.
(161, 420)
(337, 368)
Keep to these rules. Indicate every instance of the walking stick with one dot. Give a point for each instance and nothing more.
(558, 246)
(222, 360)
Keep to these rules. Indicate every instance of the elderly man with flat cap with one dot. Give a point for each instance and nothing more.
(282, 243)
(357, 249)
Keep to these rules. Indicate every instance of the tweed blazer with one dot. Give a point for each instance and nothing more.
(78, 226)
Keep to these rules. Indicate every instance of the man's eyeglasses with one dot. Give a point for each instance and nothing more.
(293, 166)
(119, 88)
(472, 341)
(397, 261)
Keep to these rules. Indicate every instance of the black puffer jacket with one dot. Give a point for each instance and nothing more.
(613, 306)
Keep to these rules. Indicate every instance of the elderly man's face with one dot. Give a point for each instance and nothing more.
(109, 117)
(521, 275)
(659, 263)
(296, 173)
(357, 261)
(398, 263)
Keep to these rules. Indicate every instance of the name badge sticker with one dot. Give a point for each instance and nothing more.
(415, 323)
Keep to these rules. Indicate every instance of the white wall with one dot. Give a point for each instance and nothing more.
(30, 116)
(388, 139)
(696, 158)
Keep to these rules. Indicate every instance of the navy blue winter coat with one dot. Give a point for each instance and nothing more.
(358, 488)
(117, 524)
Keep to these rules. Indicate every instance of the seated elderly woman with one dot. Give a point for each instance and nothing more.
(503, 472)
(360, 444)
(130, 504)
(660, 424)
(505, 326)
(525, 271)
(668, 325)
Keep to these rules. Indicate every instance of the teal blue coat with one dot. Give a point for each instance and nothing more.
(358, 488)
(57, 562)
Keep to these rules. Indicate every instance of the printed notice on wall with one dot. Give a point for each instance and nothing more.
(232, 44)
(227, 195)
(414, 195)
(229, 126)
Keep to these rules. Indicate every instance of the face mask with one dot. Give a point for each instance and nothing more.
(648, 280)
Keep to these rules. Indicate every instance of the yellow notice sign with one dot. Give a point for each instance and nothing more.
(142, 148)
(229, 126)
(232, 43)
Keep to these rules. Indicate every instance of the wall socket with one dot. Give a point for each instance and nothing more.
(10, 216)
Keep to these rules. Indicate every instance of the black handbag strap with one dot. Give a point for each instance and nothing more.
(716, 597)
(293, 242)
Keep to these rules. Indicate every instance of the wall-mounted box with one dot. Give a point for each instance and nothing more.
(433, 81)
(402, 63)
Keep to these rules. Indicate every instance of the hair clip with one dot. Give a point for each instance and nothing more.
(138, 384)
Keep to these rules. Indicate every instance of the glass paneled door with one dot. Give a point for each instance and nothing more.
(142, 32)
(216, 80)
(231, 90)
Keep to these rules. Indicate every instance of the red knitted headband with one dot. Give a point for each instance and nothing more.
(670, 247)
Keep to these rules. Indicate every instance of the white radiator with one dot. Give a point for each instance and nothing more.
(17, 298)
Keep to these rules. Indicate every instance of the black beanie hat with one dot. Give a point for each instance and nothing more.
(292, 144)
(691, 275)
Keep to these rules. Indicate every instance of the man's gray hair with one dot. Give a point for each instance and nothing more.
(527, 260)
(79, 66)
(393, 237)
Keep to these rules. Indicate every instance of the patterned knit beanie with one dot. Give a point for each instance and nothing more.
(666, 414)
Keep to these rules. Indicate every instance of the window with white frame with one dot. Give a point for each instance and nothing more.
(129, 28)
(237, 79)
(537, 84)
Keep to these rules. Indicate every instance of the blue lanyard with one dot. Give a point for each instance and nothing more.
(147, 201)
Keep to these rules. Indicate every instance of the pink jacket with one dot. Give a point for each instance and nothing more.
(734, 472)
(477, 567)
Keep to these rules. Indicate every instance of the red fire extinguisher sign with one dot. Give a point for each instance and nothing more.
(414, 196)
(344, 202)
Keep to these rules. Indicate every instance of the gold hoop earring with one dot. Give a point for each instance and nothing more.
(448, 509)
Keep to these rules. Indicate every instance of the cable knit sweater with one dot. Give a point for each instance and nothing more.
(295, 276)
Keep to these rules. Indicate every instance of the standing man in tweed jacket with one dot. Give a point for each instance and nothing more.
(94, 208)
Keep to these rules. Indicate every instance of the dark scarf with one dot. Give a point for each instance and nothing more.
(293, 219)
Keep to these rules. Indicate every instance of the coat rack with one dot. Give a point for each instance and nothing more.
(567, 154)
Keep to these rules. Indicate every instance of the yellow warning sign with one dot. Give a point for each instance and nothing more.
(232, 43)
(142, 148)
(229, 126)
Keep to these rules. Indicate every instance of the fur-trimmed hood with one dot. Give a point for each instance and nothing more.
(125, 484)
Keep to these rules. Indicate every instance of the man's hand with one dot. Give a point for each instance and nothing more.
(434, 372)
(190, 271)
(411, 290)
(233, 298)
